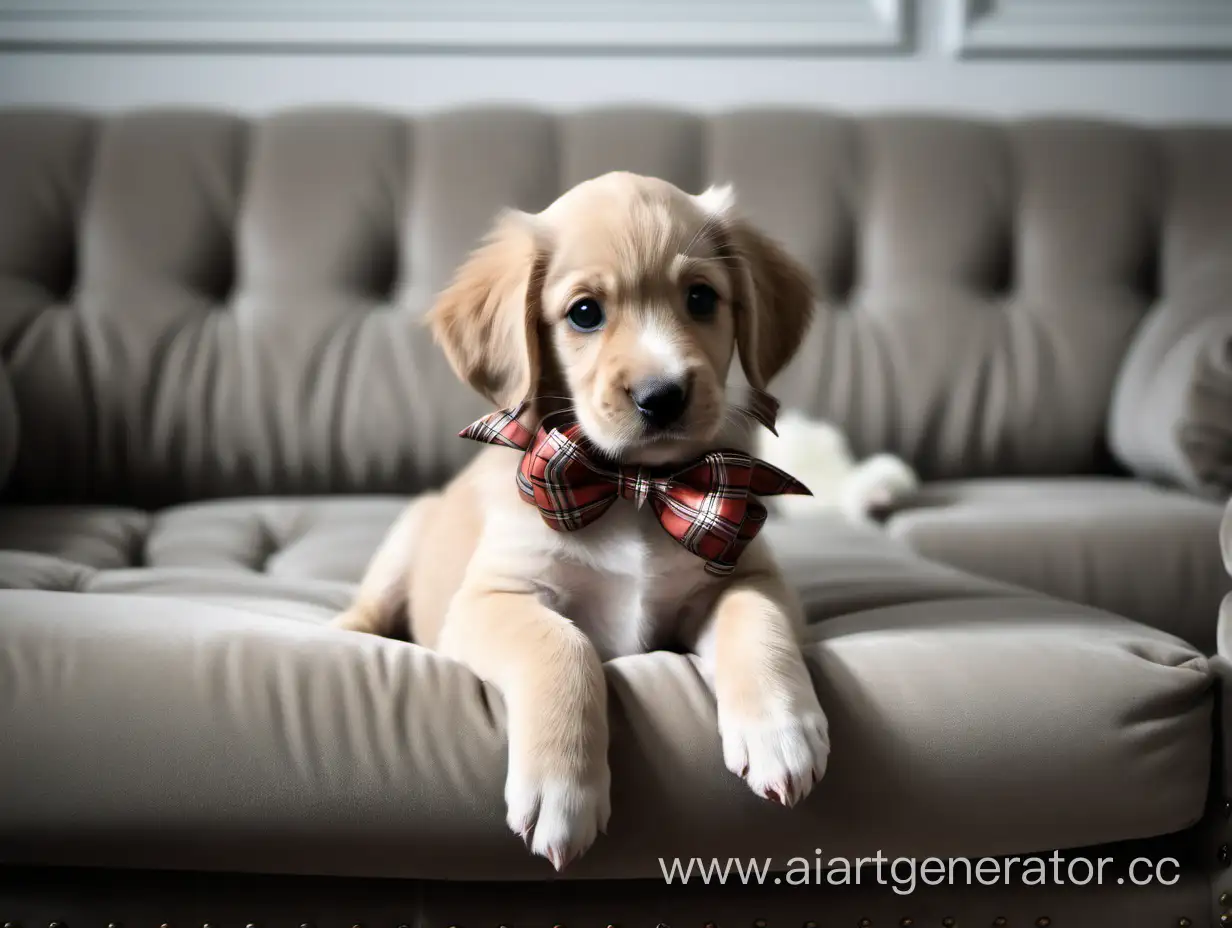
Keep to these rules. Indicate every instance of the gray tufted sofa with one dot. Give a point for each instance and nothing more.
(215, 396)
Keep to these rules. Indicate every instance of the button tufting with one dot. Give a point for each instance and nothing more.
(1043, 921)
(948, 922)
(1223, 854)
(1224, 899)
(999, 921)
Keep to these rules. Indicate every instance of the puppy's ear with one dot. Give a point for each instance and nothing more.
(774, 303)
(487, 319)
(774, 294)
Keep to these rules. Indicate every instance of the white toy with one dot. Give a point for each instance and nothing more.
(817, 453)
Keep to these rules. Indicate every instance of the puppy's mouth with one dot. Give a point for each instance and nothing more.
(656, 446)
(649, 447)
(626, 439)
(663, 450)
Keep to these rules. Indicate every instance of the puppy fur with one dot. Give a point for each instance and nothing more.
(535, 612)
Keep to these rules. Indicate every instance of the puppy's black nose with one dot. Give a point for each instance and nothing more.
(661, 402)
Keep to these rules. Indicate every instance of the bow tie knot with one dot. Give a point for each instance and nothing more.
(636, 486)
(709, 506)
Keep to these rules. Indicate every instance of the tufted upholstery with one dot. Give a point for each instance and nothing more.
(192, 305)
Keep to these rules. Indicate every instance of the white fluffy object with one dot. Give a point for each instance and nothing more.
(817, 454)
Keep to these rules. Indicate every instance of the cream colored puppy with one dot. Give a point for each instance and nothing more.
(620, 306)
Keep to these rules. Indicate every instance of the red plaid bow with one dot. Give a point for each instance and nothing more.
(707, 506)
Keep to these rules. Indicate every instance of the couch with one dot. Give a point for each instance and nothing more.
(216, 395)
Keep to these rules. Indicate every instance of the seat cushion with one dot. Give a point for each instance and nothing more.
(1171, 414)
(313, 537)
(1137, 550)
(967, 717)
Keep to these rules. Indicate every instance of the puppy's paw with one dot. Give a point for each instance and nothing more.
(558, 816)
(357, 619)
(780, 755)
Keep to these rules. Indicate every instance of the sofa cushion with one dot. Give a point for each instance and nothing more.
(298, 558)
(323, 537)
(1172, 410)
(967, 718)
(1140, 551)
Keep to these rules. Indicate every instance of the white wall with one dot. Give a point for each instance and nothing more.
(1122, 77)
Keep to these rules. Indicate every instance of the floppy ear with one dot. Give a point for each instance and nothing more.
(487, 319)
(773, 306)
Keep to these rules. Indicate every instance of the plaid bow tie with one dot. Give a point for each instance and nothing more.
(708, 506)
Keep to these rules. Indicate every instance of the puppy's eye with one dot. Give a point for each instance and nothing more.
(585, 315)
(701, 301)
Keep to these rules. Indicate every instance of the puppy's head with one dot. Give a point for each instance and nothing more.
(625, 301)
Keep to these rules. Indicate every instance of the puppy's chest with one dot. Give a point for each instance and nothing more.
(627, 583)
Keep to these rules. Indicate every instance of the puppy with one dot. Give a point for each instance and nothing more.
(618, 309)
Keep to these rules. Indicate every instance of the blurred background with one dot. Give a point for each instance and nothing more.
(1145, 60)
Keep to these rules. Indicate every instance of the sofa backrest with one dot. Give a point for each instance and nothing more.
(194, 305)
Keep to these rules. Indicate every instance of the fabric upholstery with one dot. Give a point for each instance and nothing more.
(258, 740)
(195, 305)
(1172, 410)
(1136, 550)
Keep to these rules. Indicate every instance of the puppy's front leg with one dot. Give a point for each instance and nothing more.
(774, 733)
(557, 787)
